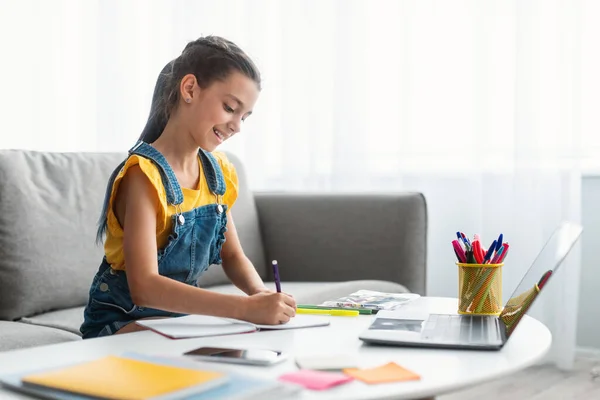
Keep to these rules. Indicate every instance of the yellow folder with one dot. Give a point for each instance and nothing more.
(114, 377)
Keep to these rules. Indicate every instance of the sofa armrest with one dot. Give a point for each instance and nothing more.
(325, 238)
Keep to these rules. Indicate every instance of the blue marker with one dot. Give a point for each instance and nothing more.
(465, 240)
(490, 251)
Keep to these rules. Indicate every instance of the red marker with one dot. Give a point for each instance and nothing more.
(544, 279)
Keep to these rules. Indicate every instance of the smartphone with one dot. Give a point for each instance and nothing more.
(236, 355)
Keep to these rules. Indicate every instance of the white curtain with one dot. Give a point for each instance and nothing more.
(487, 107)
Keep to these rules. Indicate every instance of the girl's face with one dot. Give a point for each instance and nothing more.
(214, 114)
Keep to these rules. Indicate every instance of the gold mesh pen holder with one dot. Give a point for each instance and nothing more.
(479, 289)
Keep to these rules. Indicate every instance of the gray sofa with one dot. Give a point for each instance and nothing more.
(327, 245)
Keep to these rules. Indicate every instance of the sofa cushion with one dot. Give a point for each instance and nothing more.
(324, 237)
(49, 208)
(318, 292)
(15, 335)
(68, 320)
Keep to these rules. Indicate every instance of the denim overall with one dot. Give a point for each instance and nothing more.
(194, 244)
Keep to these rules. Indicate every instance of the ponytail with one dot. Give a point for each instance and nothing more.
(157, 120)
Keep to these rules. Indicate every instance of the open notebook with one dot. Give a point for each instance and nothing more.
(191, 326)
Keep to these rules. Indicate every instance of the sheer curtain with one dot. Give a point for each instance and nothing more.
(487, 107)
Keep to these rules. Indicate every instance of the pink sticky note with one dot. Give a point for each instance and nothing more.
(316, 380)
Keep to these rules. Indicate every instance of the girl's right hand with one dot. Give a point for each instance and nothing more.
(269, 308)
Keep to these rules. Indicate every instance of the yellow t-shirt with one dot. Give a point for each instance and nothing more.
(192, 198)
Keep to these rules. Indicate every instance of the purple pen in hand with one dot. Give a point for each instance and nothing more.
(276, 275)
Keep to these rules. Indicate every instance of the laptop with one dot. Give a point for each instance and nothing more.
(476, 332)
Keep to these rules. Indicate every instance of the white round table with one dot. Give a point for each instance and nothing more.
(441, 370)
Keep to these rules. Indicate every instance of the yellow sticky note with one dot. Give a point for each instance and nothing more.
(390, 372)
(122, 378)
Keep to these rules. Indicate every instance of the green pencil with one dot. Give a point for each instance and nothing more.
(365, 311)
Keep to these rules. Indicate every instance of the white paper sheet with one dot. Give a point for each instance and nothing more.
(202, 325)
(196, 326)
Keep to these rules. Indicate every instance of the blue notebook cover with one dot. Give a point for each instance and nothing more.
(13, 382)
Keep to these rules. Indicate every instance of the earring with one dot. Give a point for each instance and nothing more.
(188, 100)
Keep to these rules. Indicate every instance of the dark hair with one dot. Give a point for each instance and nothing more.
(210, 59)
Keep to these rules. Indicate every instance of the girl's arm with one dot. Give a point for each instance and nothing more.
(136, 207)
(237, 266)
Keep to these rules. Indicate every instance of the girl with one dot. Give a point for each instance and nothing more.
(167, 214)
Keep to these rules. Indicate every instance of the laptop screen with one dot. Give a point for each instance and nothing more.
(543, 268)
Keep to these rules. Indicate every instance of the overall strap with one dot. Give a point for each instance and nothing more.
(213, 173)
(172, 188)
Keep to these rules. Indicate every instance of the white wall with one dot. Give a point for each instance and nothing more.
(588, 324)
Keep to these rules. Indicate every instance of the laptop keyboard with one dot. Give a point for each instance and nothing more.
(461, 329)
